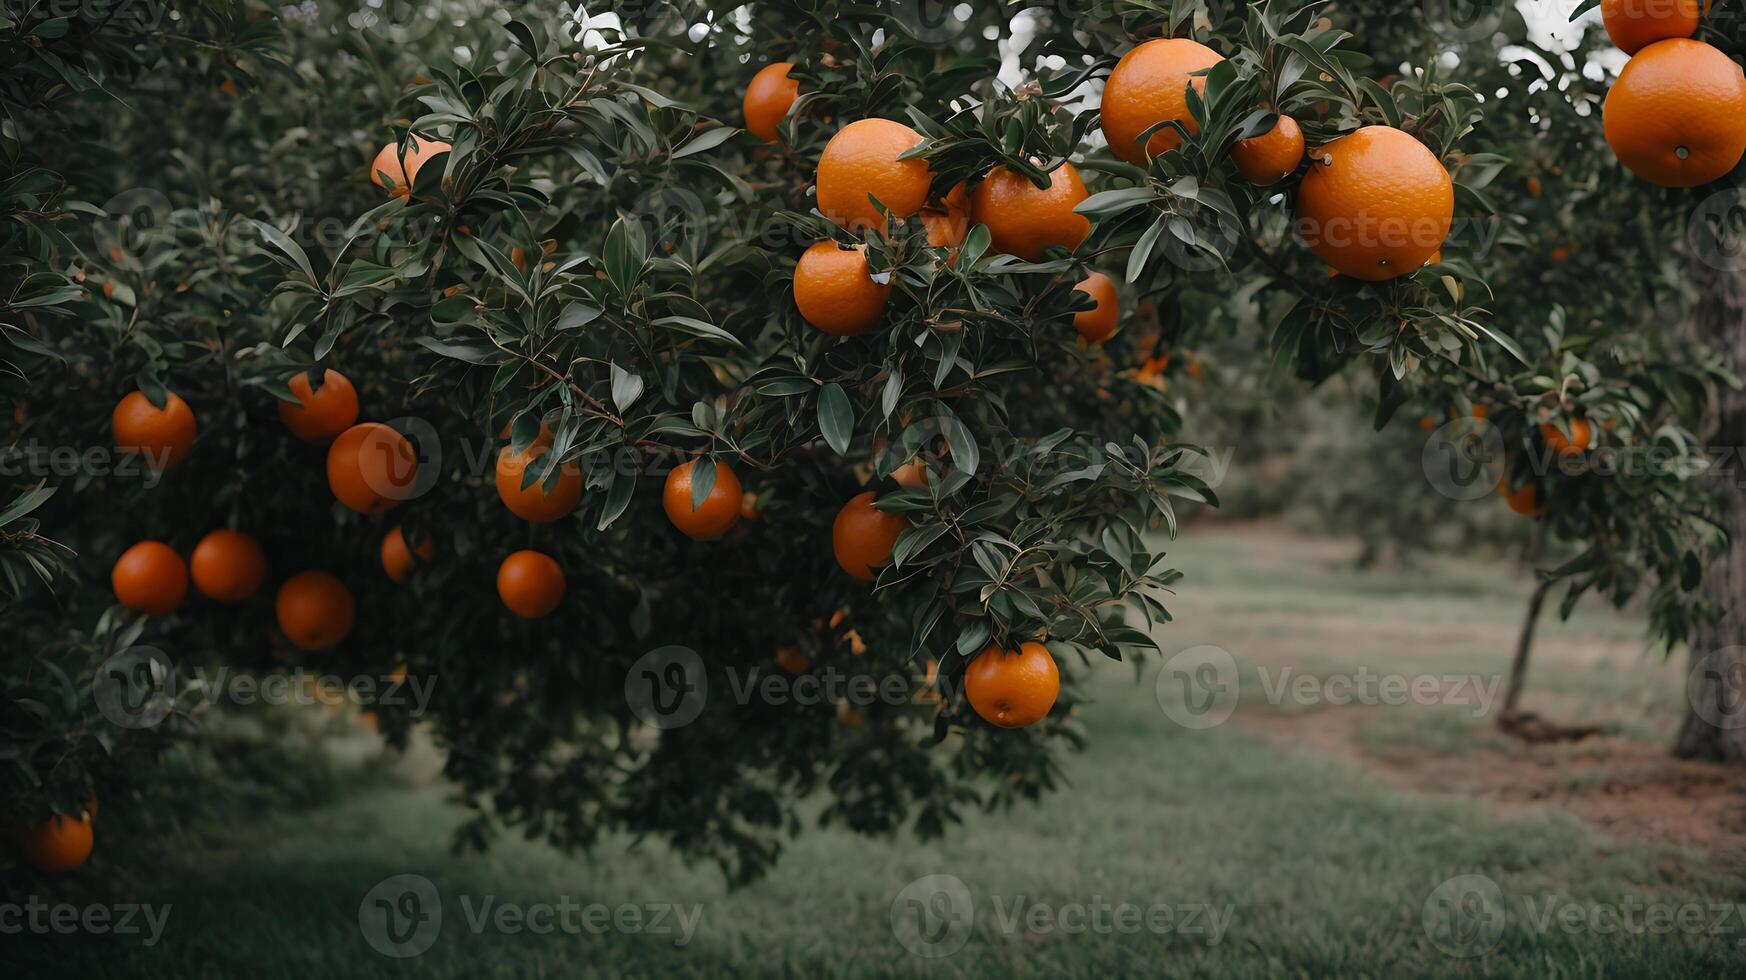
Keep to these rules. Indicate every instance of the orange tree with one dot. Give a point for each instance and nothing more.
(536, 306)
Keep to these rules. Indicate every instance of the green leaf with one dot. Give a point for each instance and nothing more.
(836, 417)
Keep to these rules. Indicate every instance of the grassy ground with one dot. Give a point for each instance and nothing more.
(1319, 866)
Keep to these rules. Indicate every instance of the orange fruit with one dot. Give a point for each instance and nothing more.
(1148, 86)
(948, 223)
(371, 468)
(1271, 157)
(321, 415)
(315, 611)
(1012, 688)
(719, 512)
(150, 578)
(228, 566)
(792, 660)
(1097, 324)
(1534, 187)
(835, 292)
(1375, 204)
(1024, 219)
(769, 96)
(1674, 115)
(162, 436)
(862, 536)
(535, 503)
(1525, 501)
(398, 560)
(57, 845)
(531, 584)
(748, 506)
(1567, 446)
(388, 162)
(861, 159)
(1635, 24)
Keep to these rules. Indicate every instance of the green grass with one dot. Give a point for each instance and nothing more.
(1324, 868)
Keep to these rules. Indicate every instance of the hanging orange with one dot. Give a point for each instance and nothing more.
(862, 159)
(1012, 688)
(835, 292)
(1575, 444)
(57, 845)
(1098, 324)
(320, 415)
(1635, 24)
(719, 512)
(1024, 219)
(1271, 157)
(388, 162)
(161, 436)
(1149, 85)
(228, 566)
(1375, 204)
(1674, 117)
(769, 96)
(398, 560)
(863, 536)
(150, 578)
(536, 503)
(315, 611)
(371, 468)
(531, 584)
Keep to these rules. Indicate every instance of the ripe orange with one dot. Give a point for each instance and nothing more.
(1148, 86)
(57, 845)
(792, 660)
(1023, 219)
(388, 162)
(1375, 204)
(720, 510)
(371, 468)
(315, 611)
(228, 566)
(1271, 157)
(535, 503)
(322, 414)
(1567, 446)
(1674, 115)
(862, 536)
(948, 223)
(530, 584)
(769, 96)
(835, 292)
(1525, 501)
(398, 559)
(161, 436)
(861, 159)
(1635, 24)
(150, 578)
(1012, 688)
(1097, 324)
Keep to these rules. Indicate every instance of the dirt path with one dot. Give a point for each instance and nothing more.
(1621, 786)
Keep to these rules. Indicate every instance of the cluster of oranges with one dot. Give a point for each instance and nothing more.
(315, 610)
(1676, 117)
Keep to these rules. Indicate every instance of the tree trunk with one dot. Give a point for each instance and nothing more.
(1519, 666)
(1715, 721)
